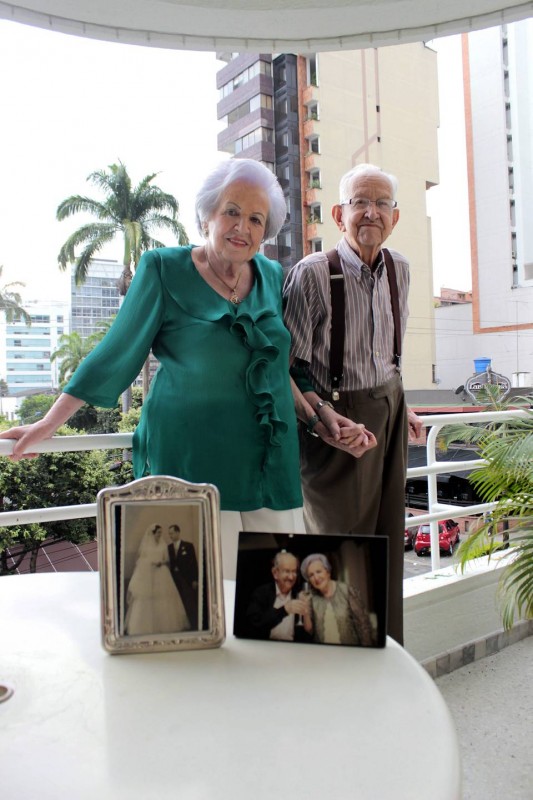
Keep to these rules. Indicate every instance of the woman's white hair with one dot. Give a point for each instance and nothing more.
(250, 171)
(308, 560)
(361, 170)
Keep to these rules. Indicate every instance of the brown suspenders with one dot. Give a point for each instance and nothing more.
(336, 355)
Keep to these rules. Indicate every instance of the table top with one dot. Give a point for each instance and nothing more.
(250, 719)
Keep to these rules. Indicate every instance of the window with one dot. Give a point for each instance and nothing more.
(312, 111)
(314, 179)
(313, 143)
(259, 135)
(316, 245)
(312, 70)
(315, 213)
(258, 68)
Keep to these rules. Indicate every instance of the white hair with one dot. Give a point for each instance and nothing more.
(362, 170)
(250, 171)
(308, 560)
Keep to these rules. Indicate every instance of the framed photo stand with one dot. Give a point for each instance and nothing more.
(160, 566)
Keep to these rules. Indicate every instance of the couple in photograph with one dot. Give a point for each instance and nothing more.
(162, 595)
(326, 611)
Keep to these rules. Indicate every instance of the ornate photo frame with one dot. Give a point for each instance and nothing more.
(160, 566)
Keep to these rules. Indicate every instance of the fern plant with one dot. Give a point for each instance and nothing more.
(506, 479)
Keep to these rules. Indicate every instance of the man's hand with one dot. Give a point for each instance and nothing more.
(415, 425)
(296, 607)
(343, 433)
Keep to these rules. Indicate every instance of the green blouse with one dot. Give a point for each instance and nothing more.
(220, 408)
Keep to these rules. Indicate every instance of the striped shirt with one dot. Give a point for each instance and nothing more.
(369, 325)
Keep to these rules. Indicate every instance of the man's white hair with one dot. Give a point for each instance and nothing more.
(361, 170)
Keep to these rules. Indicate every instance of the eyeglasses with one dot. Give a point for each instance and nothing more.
(363, 204)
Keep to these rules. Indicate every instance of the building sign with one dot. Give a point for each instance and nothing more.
(477, 382)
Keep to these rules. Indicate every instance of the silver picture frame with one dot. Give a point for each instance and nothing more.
(160, 566)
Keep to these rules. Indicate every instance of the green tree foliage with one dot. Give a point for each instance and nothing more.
(10, 301)
(70, 353)
(506, 479)
(134, 213)
(51, 479)
(35, 407)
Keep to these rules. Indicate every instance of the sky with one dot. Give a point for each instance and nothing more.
(71, 106)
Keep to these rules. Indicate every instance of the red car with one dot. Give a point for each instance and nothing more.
(409, 538)
(448, 538)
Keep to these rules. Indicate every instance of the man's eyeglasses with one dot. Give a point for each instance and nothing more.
(363, 204)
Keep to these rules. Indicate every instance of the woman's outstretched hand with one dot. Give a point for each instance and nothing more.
(26, 437)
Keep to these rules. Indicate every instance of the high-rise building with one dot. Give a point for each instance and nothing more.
(310, 118)
(498, 108)
(97, 299)
(25, 357)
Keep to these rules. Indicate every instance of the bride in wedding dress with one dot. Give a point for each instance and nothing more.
(154, 604)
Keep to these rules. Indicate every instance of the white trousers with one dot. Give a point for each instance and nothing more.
(264, 520)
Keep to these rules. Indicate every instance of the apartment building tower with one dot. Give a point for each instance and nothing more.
(25, 356)
(498, 114)
(97, 299)
(310, 118)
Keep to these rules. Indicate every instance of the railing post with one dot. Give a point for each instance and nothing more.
(431, 458)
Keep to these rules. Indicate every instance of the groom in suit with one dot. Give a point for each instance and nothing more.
(184, 571)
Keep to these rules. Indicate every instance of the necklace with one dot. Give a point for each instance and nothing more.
(234, 297)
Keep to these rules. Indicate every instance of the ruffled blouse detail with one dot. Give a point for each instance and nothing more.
(262, 354)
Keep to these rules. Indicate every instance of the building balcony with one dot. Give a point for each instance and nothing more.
(312, 194)
(311, 160)
(313, 230)
(309, 94)
(311, 126)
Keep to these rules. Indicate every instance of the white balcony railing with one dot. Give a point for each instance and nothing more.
(436, 510)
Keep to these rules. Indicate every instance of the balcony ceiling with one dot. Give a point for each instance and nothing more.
(267, 26)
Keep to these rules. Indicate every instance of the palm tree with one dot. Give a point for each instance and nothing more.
(132, 212)
(71, 352)
(10, 301)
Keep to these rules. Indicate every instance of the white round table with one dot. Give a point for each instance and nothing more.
(250, 720)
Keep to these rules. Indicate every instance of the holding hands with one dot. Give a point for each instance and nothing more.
(336, 430)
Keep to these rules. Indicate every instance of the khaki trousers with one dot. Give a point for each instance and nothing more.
(366, 495)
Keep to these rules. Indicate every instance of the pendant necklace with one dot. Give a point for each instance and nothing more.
(234, 297)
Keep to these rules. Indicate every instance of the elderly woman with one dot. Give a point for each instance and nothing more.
(153, 602)
(336, 613)
(221, 408)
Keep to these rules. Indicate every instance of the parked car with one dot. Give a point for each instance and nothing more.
(409, 538)
(448, 537)
(409, 535)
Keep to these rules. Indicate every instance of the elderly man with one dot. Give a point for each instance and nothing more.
(347, 357)
(273, 609)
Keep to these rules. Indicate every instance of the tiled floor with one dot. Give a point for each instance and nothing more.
(491, 701)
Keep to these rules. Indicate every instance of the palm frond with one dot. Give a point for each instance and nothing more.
(516, 586)
(505, 479)
(87, 234)
(77, 203)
